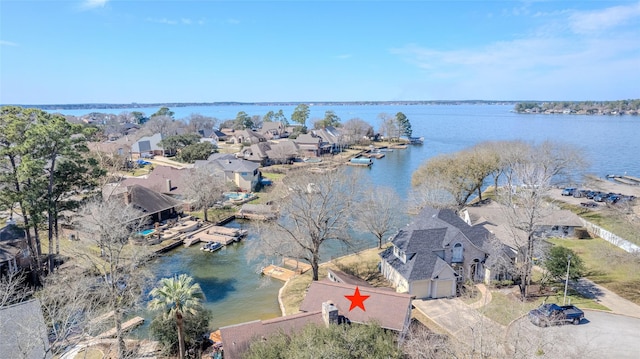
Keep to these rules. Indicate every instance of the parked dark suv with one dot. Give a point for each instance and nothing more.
(580, 193)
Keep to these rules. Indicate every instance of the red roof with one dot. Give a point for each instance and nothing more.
(157, 180)
(237, 338)
(389, 309)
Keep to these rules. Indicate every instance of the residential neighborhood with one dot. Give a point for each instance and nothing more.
(440, 273)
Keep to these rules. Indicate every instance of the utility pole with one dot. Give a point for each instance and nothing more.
(566, 282)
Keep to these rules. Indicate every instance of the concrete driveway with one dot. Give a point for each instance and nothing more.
(466, 324)
(600, 335)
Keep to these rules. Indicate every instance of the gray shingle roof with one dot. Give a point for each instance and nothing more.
(431, 231)
(150, 201)
(23, 332)
(11, 232)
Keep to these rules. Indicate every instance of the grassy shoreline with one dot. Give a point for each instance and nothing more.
(363, 264)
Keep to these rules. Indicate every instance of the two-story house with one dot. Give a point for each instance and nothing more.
(244, 174)
(434, 253)
(148, 146)
(274, 130)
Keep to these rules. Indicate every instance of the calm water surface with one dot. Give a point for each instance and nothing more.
(236, 293)
(610, 142)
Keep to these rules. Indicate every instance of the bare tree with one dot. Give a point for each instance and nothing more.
(379, 212)
(13, 288)
(203, 188)
(388, 126)
(421, 343)
(526, 199)
(314, 210)
(164, 125)
(433, 193)
(109, 225)
(509, 154)
(197, 122)
(461, 174)
(524, 207)
(356, 131)
(68, 306)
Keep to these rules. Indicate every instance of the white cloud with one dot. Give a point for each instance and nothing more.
(586, 22)
(92, 4)
(578, 55)
(7, 43)
(532, 68)
(162, 21)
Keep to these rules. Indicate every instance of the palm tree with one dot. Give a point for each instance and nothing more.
(176, 296)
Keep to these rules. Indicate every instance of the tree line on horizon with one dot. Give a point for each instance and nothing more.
(620, 107)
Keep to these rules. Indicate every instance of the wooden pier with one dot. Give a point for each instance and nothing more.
(376, 155)
(126, 326)
(188, 242)
(220, 234)
(295, 265)
(290, 268)
(280, 273)
(628, 180)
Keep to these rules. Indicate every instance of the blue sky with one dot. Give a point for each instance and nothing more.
(111, 51)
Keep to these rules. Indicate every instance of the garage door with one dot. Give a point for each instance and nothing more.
(443, 288)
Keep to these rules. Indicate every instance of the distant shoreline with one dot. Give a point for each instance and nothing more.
(101, 106)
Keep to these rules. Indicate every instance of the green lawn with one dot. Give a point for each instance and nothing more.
(608, 265)
(610, 219)
(362, 264)
(505, 308)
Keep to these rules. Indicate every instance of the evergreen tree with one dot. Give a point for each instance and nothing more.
(558, 259)
(403, 124)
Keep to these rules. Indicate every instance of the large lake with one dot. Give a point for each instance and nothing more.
(236, 293)
(610, 142)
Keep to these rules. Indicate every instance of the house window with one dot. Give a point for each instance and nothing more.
(399, 254)
(460, 274)
(243, 173)
(457, 253)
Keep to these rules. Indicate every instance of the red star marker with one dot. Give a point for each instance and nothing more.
(357, 300)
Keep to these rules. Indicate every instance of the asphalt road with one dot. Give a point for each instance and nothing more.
(599, 335)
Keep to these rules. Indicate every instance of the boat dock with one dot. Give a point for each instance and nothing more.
(126, 326)
(280, 273)
(220, 234)
(260, 212)
(293, 268)
(373, 154)
(297, 266)
(628, 180)
(360, 161)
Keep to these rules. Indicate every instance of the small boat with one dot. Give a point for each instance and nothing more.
(416, 140)
(211, 246)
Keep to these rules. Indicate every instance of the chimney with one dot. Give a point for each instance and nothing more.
(168, 185)
(329, 313)
(127, 197)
